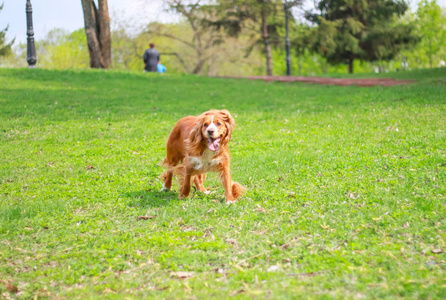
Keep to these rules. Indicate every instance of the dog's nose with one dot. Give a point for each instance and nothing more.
(210, 131)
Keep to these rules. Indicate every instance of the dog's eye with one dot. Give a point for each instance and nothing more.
(218, 124)
(206, 125)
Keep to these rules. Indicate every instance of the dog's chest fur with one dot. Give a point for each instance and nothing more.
(206, 162)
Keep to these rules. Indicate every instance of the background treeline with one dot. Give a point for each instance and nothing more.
(247, 38)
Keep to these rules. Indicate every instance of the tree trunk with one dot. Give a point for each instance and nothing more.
(299, 63)
(97, 30)
(269, 64)
(430, 53)
(211, 59)
(350, 65)
(104, 33)
(199, 66)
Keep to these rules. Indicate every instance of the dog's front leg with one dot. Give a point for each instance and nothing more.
(225, 175)
(199, 180)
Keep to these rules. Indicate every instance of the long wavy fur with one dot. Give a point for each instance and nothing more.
(238, 190)
(194, 144)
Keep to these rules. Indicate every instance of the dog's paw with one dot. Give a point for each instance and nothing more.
(164, 189)
(230, 201)
(207, 192)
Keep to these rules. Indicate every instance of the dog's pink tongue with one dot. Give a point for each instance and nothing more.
(214, 144)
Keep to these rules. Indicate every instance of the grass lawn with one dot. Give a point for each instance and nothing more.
(346, 189)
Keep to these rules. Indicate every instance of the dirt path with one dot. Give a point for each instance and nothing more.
(331, 81)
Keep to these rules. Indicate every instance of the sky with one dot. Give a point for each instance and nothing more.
(67, 14)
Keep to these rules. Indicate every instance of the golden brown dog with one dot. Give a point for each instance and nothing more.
(198, 145)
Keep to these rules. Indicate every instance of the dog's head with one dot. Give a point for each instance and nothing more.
(213, 128)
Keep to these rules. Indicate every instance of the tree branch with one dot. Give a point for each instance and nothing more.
(176, 38)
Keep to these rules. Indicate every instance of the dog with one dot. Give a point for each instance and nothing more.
(196, 146)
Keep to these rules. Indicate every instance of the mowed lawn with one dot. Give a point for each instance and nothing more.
(346, 189)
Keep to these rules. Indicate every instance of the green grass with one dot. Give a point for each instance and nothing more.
(346, 189)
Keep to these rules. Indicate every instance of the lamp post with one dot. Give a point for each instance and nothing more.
(31, 53)
(287, 40)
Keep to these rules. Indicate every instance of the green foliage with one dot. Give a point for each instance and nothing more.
(432, 28)
(312, 64)
(309, 63)
(244, 52)
(128, 49)
(64, 51)
(346, 189)
(236, 15)
(365, 30)
(259, 17)
(5, 48)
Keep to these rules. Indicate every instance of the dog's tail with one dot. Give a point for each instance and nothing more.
(164, 163)
(238, 190)
(163, 175)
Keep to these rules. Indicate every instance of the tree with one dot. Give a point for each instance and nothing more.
(97, 30)
(366, 30)
(300, 41)
(258, 16)
(63, 50)
(228, 58)
(204, 39)
(5, 48)
(432, 27)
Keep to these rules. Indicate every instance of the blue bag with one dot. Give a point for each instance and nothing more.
(161, 68)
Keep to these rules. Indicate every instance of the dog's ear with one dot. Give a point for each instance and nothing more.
(195, 136)
(226, 116)
(229, 122)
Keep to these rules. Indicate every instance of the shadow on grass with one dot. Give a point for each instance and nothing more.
(151, 198)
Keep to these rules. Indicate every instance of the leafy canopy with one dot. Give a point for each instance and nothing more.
(359, 29)
(431, 26)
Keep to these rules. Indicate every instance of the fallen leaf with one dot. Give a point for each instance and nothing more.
(236, 292)
(437, 251)
(10, 287)
(260, 232)
(377, 219)
(352, 195)
(182, 274)
(231, 241)
(188, 288)
(261, 209)
(273, 268)
(286, 246)
(90, 168)
(145, 217)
